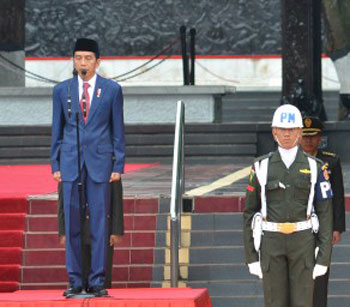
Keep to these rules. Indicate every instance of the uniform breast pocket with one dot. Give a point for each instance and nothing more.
(274, 191)
(302, 189)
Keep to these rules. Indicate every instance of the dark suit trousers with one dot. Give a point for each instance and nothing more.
(97, 195)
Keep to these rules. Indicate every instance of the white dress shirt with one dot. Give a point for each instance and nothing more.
(91, 89)
(288, 155)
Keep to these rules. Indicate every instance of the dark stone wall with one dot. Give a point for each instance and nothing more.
(144, 27)
(11, 25)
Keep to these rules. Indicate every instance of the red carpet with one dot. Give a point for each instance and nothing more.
(19, 181)
(16, 183)
(182, 297)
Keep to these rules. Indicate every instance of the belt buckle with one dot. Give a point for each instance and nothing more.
(286, 228)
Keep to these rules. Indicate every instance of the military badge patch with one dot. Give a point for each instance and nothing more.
(305, 171)
(250, 188)
(326, 174)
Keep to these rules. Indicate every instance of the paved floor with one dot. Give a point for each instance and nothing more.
(157, 180)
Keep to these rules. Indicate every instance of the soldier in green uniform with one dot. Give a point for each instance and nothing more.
(288, 207)
(310, 141)
(116, 228)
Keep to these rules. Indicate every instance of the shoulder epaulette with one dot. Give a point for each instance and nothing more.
(328, 153)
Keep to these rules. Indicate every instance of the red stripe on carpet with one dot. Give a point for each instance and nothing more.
(9, 272)
(19, 181)
(10, 255)
(13, 205)
(11, 238)
(8, 286)
(12, 221)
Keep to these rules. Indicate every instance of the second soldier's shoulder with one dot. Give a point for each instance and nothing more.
(319, 161)
(328, 155)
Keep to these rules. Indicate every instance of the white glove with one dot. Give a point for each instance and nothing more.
(255, 269)
(319, 270)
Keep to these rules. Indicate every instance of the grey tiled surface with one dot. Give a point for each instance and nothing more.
(156, 181)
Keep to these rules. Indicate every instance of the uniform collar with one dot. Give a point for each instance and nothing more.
(276, 157)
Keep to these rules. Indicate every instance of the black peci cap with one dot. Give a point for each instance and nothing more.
(86, 44)
(312, 126)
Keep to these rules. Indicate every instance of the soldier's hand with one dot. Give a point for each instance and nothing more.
(319, 270)
(57, 176)
(255, 269)
(115, 239)
(115, 177)
(336, 237)
(63, 240)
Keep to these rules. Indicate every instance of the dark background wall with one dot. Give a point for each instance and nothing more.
(144, 27)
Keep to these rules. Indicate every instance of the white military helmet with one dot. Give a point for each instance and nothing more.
(287, 116)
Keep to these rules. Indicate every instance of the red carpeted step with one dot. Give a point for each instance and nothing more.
(42, 240)
(9, 286)
(10, 255)
(51, 240)
(13, 205)
(43, 274)
(218, 204)
(43, 206)
(41, 223)
(37, 257)
(46, 286)
(11, 238)
(58, 274)
(10, 272)
(12, 221)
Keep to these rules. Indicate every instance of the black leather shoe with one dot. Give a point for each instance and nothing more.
(72, 291)
(98, 291)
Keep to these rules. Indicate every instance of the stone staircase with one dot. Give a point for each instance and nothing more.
(258, 106)
(31, 145)
(43, 259)
(216, 259)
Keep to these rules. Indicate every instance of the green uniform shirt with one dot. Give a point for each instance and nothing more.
(287, 194)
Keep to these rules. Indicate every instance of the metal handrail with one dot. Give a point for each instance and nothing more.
(177, 190)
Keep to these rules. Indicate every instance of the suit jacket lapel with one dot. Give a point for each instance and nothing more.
(96, 99)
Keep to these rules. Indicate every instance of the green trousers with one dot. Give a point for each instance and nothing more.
(287, 263)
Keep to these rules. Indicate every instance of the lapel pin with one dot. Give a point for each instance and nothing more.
(98, 93)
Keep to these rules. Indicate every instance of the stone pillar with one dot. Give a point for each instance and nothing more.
(301, 56)
(12, 39)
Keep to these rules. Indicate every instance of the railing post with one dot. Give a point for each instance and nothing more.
(174, 253)
(177, 190)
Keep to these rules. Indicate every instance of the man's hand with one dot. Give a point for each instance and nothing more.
(115, 239)
(57, 176)
(336, 237)
(63, 240)
(115, 177)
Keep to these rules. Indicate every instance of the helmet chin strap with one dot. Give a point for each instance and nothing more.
(279, 144)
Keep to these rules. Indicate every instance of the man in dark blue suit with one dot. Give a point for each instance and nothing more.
(99, 103)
